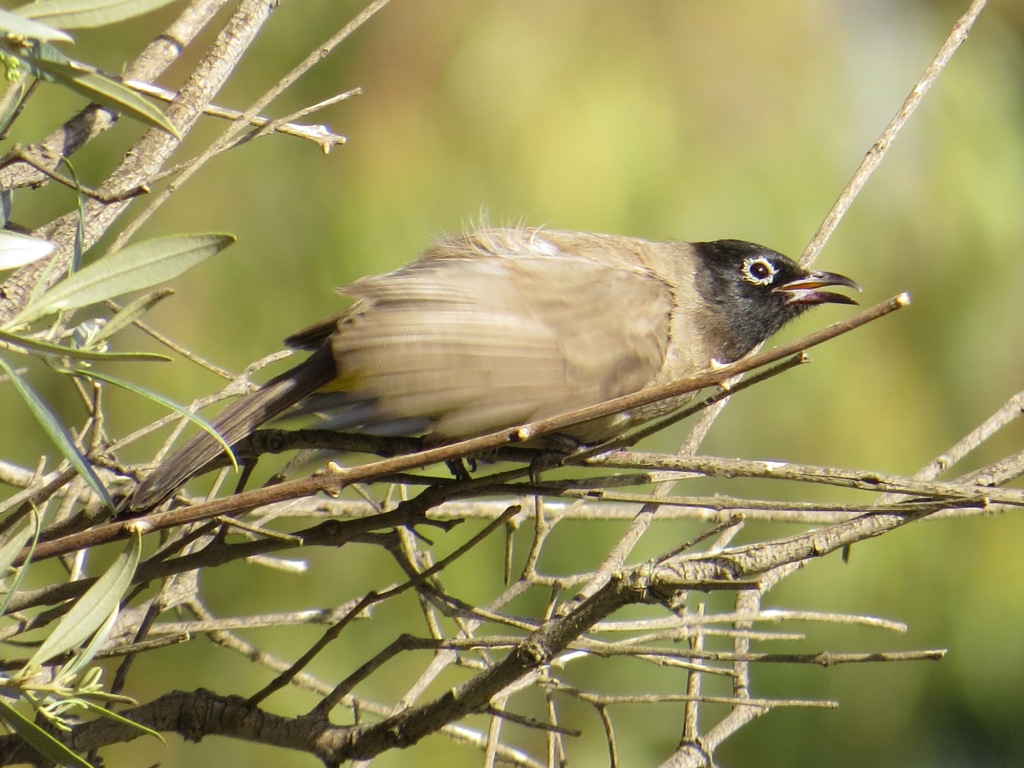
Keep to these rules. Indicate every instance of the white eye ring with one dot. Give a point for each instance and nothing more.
(758, 270)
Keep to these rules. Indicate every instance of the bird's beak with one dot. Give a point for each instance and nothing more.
(804, 290)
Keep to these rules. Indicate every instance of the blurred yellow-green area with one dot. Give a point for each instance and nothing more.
(660, 119)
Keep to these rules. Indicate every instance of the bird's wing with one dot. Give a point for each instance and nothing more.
(480, 343)
(489, 330)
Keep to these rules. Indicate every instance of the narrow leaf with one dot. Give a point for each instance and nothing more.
(81, 659)
(58, 434)
(87, 81)
(17, 24)
(91, 610)
(133, 268)
(79, 14)
(56, 350)
(193, 417)
(131, 312)
(38, 739)
(15, 585)
(17, 250)
(10, 105)
(12, 548)
(118, 718)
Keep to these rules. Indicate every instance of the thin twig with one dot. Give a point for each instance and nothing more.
(874, 156)
(319, 134)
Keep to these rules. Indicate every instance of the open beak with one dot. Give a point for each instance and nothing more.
(804, 290)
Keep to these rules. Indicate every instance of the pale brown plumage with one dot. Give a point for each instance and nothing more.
(502, 326)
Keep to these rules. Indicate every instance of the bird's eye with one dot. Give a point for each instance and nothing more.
(758, 270)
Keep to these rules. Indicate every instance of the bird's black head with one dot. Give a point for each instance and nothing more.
(753, 291)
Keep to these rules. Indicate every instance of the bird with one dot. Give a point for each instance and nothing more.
(499, 326)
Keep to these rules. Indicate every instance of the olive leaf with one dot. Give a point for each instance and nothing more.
(57, 433)
(15, 24)
(17, 250)
(135, 267)
(50, 64)
(38, 739)
(80, 14)
(93, 610)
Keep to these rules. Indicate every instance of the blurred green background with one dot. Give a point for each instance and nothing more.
(658, 119)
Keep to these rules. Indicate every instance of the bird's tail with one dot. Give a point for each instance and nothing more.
(234, 423)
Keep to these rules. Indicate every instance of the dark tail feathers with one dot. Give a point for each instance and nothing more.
(237, 421)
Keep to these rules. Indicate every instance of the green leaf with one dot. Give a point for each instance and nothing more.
(92, 610)
(50, 63)
(111, 715)
(17, 250)
(11, 103)
(133, 268)
(131, 312)
(12, 23)
(70, 670)
(78, 14)
(10, 552)
(56, 350)
(58, 434)
(38, 739)
(193, 417)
